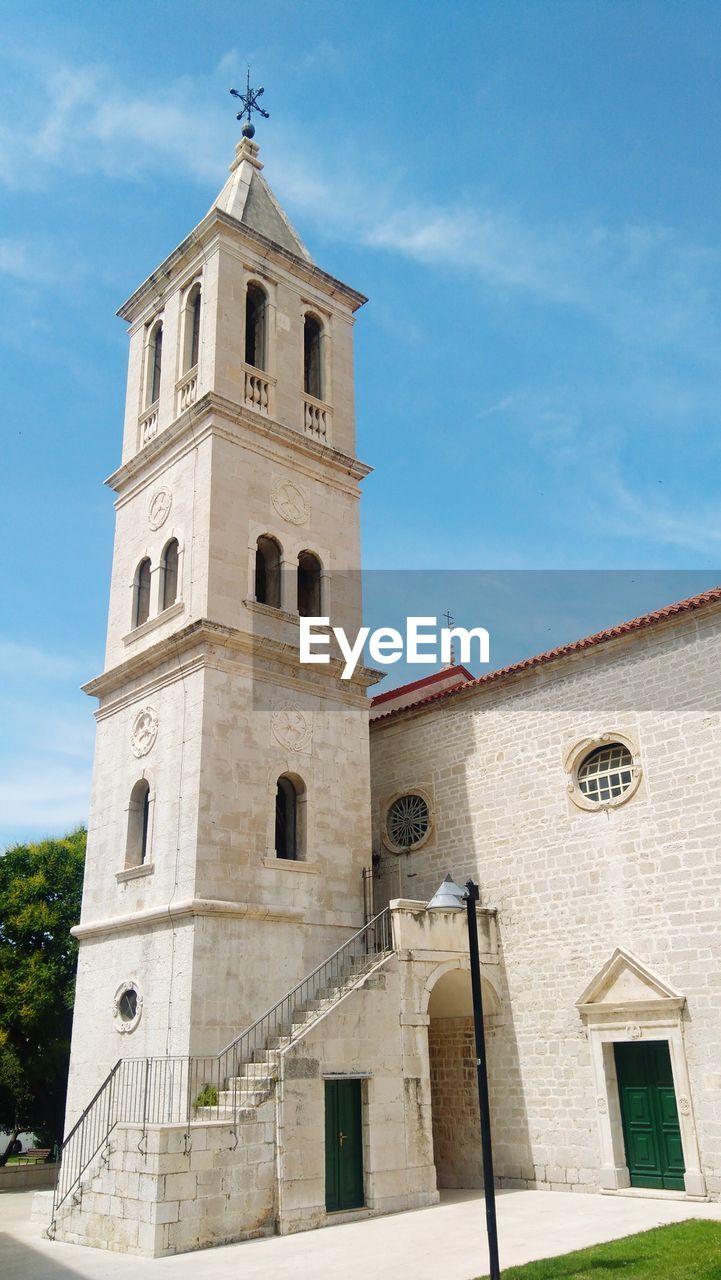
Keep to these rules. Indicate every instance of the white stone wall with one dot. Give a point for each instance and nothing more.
(158, 959)
(170, 1189)
(364, 1034)
(212, 929)
(571, 885)
(185, 481)
(174, 1187)
(118, 940)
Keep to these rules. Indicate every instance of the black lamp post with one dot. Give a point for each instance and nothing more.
(450, 897)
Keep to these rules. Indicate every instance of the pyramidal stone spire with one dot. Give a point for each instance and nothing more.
(247, 197)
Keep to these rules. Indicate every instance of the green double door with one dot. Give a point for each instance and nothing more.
(343, 1145)
(650, 1118)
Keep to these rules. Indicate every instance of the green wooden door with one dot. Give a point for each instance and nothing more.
(343, 1145)
(650, 1119)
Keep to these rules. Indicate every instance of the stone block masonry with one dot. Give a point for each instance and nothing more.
(570, 885)
(170, 1189)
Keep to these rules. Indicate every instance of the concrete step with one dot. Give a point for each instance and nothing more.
(264, 1057)
(308, 1006)
(227, 1098)
(221, 1112)
(250, 1070)
(252, 1084)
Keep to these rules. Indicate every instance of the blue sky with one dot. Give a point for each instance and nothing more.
(529, 194)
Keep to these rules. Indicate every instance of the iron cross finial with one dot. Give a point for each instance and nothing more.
(249, 101)
(449, 623)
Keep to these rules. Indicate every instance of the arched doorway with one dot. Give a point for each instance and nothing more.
(454, 1086)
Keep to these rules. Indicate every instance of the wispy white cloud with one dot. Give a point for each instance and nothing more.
(648, 285)
(83, 119)
(19, 661)
(645, 283)
(643, 516)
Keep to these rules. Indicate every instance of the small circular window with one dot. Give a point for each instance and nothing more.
(408, 821)
(128, 1004)
(127, 1007)
(606, 773)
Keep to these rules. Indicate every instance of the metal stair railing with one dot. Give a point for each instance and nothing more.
(178, 1089)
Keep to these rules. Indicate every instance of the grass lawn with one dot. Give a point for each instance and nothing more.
(685, 1251)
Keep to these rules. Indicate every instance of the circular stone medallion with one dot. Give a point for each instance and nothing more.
(291, 502)
(144, 731)
(159, 507)
(291, 727)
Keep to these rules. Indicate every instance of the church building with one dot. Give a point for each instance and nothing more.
(272, 1033)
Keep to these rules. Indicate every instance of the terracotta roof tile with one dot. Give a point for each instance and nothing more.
(565, 650)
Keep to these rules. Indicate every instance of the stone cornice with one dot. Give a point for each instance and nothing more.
(196, 424)
(155, 286)
(630, 1010)
(174, 913)
(197, 645)
(187, 909)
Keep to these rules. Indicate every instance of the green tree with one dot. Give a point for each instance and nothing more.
(40, 894)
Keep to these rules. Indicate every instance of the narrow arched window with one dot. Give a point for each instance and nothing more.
(191, 328)
(170, 573)
(141, 610)
(289, 810)
(155, 361)
(136, 848)
(309, 592)
(255, 326)
(312, 367)
(267, 572)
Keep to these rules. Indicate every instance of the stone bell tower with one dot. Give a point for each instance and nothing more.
(230, 815)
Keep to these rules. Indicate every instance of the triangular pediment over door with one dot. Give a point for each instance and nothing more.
(626, 984)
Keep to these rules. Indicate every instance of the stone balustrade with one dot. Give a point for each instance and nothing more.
(186, 390)
(259, 389)
(148, 425)
(316, 418)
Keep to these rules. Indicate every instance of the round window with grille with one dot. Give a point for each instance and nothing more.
(408, 822)
(606, 773)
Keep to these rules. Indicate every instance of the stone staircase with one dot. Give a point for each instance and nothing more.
(229, 1087)
(244, 1092)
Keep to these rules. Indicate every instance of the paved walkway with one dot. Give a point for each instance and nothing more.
(445, 1242)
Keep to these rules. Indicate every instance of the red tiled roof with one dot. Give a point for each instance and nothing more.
(576, 646)
(402, 689)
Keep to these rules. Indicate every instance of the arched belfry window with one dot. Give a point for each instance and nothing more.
(312, 362)
(170, 573)
(256, 305)
(267, 572)
(191, 328)
(136, 848)
(155, 361)
(141, 593)
(309, 578)
(289, 818)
